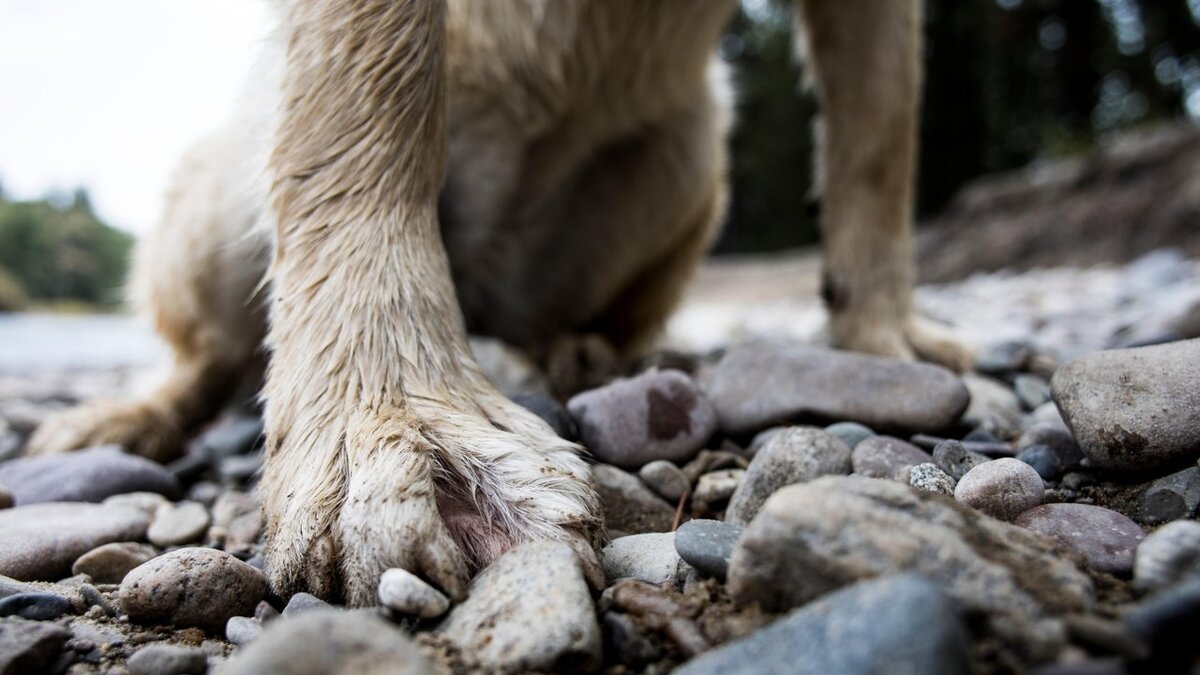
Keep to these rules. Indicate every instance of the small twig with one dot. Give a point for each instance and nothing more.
(679, 509)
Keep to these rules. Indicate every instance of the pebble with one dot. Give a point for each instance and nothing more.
(85, 476)
(1105, 539)
(403, 592)
(36, 606)
(1168, 555)
(629, 506)
(707, 545)
(515, 621)
(10, 586)
(1134, 408)
(1003, 488)
(40, 542)
(551, 411)
(666, 479)
(1057, 438)
(1043, 460)
(656, 415)
(303, 602)
(795, 455)
(716, 487)
(30, 646)
(6, 498)
(953, 458)
(647, 557)
(1032, 390)
(761, 383)
(899, 624)
(146, 502)
(329, 642)
(1171, 497)
(850, 433)
(242, 630)
(993, 406)
(198, 587)
(815, 537)
(1003, 357)
(167, 660)
(883, 456)
(92, 597)
(178, 524)
(108, 564)
(239, 468)
(930, 478)
(1167, 622)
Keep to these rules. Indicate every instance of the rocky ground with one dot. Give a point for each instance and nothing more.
(773, 506)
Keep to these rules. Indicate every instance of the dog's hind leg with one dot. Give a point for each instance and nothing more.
(865, 56)
(196, 277)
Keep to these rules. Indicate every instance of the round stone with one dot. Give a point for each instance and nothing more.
(1105, 539)
(199, 587)
(402, 591)
(850, 433)
(883, 456)
(108, 564)
(929, 478)
(242, 629)
(35, 606)
(178, 524)
(1003, 488)
(41, 541)
(656, 415)
(666, 479)
(707, 545)
(1169, 555)
(168, 660)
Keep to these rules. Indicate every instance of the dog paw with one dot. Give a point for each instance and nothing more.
(438, 487)
(914, 339)
(141, 428)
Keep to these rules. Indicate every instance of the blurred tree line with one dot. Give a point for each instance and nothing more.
(55, 251)
(1007, 82)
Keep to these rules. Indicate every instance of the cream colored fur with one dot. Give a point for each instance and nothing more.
(546, 171)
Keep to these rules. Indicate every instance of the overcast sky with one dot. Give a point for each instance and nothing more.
(106, 94)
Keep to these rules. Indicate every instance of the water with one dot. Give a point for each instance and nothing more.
(34, 342)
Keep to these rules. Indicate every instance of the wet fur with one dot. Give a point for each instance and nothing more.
(545, 171)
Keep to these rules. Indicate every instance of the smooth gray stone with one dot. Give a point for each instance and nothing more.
(1134, 408)
(330, 642)
(167, 660)
(40, 542)
(794, 455)
(86, 476)
(404, 592)
(1171, 497)
(883, 456)
(850, 433)
(901, 624)
(812, 538)
(666, 479)
(649, 557)
(760, 384)
(1105, 539)
(303, 602)
(707, 545)
(241, 630)
(30, 646)
(1003, 488)
(1169, 555)
(36, 606)
(108, 564)
(199, 587)
(656, 415)
(953, 458)
(630, 506)
(531, 610)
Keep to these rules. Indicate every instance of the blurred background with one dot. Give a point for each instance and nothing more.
(1060, 129)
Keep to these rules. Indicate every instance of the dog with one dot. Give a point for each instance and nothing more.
(548, 172)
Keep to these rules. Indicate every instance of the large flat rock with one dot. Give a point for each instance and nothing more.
(761, 384)
(41, 541)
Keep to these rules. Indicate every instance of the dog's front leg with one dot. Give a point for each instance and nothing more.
(386, 445)
(865, 56)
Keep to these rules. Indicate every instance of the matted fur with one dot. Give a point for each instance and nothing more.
(546, 171)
